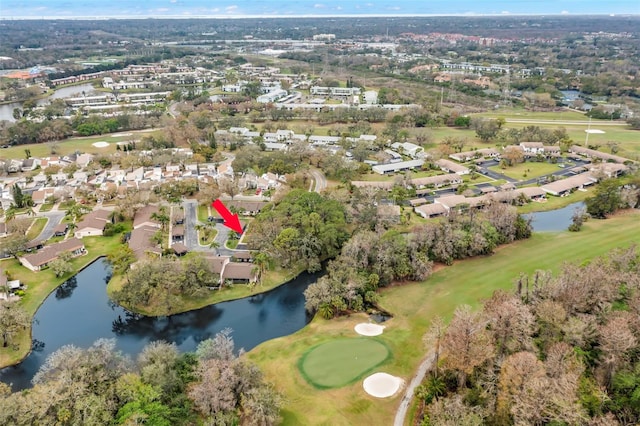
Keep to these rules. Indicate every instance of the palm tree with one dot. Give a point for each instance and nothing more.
(10, 213)
(261, 260)
(162, 217)
(30, 211)
(214, 245)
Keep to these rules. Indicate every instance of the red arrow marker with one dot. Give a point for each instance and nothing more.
(231, 221)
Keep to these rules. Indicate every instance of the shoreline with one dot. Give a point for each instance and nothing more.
(260, 290)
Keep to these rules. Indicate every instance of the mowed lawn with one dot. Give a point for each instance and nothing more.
(528, 170)
(339, 362)
(413, 306)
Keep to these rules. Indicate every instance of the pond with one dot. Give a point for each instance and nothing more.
(6, 110)
(79, 312)
(554, 220)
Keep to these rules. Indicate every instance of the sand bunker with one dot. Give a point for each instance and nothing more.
(594, 131)
(367, 329)
(101, 144)
(382, 385)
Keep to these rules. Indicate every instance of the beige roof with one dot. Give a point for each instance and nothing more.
(144, 215)
(569, 183)
(217, 263)
(178, 230)
(239, 271)
(140, 241)
(180, 248)
(51, 252)
(429, 210)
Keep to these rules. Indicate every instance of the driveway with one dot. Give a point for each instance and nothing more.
(191, 234)
(190, 222)
(55, 217)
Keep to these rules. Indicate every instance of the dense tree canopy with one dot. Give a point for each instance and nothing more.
(562, 350)
(101, 386)
(304, 228)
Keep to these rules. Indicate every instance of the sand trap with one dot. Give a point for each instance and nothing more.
(367, 329)
(101, 144)
(595, 131)
(382, 385)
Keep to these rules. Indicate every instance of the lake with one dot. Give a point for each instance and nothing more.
(79, 312)
(554, 220)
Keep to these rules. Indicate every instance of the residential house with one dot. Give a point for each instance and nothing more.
(179, 249)
(140, 241)
(93, 223)
(412, 150)
(38, 261)
(143, 217)
(60, 230)
(177, 233)
(592, 153)
(452, 167)
(239, 273)
(397, 167)
(565, 186)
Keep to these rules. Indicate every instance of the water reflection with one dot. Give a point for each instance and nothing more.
(80, 312)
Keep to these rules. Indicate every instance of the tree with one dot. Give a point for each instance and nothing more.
(61, 264)
(13, 319)
(606, 199)
(262, 261)
(18, 196)
(466, 343)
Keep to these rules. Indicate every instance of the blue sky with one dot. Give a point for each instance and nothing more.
(239, 8)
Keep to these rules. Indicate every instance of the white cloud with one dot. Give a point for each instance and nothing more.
(319, 6)
(564, 12)
(231, 8)
(162, 9)
(339, 8)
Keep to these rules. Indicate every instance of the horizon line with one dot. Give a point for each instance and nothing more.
(316, 16)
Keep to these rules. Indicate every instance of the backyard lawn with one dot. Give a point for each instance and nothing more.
(413, 305)
(40, 284)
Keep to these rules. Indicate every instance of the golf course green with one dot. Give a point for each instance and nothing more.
(341, 362)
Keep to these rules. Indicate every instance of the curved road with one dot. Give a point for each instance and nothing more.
(425, 366)
(320, 181)
(55, 217)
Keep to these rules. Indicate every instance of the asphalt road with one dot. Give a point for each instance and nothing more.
(55, 217)
(320, 181)
(191, 234)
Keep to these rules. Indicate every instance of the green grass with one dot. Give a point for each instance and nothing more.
(413, 305)
(68, 146)
(519, 113)
(339, 362)
(36, 228)
(203, 213)
(41, 284)
(528, 170)
(46, 207)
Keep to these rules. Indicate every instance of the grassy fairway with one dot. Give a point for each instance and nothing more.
(68, 146)
(340, 362)
(413, 306)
